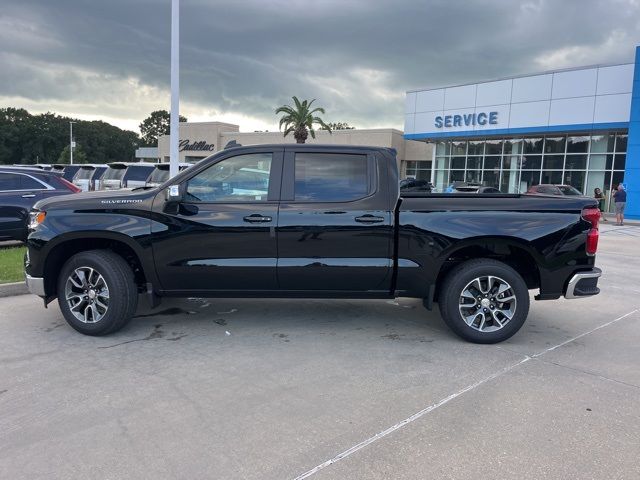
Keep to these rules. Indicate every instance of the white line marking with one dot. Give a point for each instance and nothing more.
(585, 333)
(446, 400)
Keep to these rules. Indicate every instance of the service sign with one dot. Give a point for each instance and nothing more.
(466, 120)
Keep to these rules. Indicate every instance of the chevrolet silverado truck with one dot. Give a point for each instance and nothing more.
(310, 221)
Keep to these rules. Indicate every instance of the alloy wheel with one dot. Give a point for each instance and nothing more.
(87, 295)
(487, 303)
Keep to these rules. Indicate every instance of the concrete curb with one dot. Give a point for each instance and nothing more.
(12, 289)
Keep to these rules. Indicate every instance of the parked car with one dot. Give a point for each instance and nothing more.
(88, 176)
(126, 175)
(160, 174)
(549, 189)
(415, 185)
(311, 221)
(20, 189)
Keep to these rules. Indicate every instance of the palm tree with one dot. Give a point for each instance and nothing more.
(300, 119)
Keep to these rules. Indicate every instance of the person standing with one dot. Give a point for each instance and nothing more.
(599, 196)
(620, 197)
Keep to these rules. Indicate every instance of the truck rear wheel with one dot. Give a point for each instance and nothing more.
(484, 301)
(97, 293)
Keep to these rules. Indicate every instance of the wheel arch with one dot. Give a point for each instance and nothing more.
(510, 251)
(63, 249)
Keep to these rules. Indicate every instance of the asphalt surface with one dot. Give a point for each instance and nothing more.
(277, 389)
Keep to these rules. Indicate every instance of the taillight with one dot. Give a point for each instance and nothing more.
(592, 215)
(70, 186)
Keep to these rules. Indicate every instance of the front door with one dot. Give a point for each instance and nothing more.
(335, 224)
(221, 237)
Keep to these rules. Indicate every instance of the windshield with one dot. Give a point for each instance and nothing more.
(159, 175)
(569, 190)
(114, 173)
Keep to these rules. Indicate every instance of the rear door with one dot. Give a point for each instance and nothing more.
(18, 193)
(334, 224)
(222, 236)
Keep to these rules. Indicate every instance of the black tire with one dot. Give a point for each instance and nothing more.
(453, 301)
(122, 291)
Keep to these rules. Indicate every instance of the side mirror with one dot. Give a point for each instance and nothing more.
(174, 194)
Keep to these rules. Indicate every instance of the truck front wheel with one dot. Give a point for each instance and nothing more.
(97, 293)
(484, 301)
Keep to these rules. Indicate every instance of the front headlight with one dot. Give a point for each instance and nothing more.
(36, 218)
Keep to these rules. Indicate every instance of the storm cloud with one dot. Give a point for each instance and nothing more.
(242, 59)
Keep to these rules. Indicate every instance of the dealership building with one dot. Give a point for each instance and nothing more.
(578, 126)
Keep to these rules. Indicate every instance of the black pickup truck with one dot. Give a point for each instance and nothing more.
(310, 221)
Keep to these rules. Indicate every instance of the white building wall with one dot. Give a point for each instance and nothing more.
(584, 96)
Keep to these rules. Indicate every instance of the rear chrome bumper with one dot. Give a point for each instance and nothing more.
(583, 284)
(35, 285)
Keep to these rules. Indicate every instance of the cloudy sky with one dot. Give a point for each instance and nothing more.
(240, 59)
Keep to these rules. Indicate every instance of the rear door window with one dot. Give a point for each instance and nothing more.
(330, 177)
(9, 181)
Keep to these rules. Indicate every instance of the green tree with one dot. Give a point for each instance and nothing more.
(340, 126)
(300, 119)
(156, 124)
(78, 155)
(29, 139)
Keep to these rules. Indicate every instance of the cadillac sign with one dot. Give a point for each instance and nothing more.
(201, 146)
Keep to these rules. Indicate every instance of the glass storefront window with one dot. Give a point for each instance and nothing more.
(553, 162)
(511, 162)
(492, 163)
(513, 147)
(457, 163)
(554, 145)
(530, 162)
(457, 176)
(596, 180)
(473, 176)
(576, 162)
(619, 162)
(602, 143)
(474, 163)
(551, 176)
(598, 162)
(493, 147)
(529, 178)
(420, 170)
(491, 178)
(476, 148)
(578, 144)
(443, 148)
(442, 180)
(575, 178)
(509, 182)
(442, 163)
(458, 148)
(514, 164)
(533, 145)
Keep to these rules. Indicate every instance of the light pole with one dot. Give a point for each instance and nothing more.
(174, 133)
(71, 145)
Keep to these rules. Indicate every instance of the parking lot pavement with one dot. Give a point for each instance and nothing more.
(271, 389)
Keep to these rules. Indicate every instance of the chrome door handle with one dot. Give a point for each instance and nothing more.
(256, 218)
(28, 195)
(369, 219)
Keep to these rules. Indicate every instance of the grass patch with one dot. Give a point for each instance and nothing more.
(12, 264)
